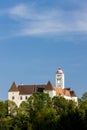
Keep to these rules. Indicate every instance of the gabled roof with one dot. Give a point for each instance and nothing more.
(26, 89)
(13, 88)
(29, 89)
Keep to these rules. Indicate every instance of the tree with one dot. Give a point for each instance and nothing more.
(12, 108)
(20, 122)
(23, 108)
(83, 102)
(73, 120)
(41, 113)
(45, 119)
(3, 108)
(60, 104)
(39, 101)
(84, 96)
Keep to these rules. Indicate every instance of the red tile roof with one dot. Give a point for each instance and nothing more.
(66, 92)
(59, 91)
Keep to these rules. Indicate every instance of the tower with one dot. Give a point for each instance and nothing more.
(60, 78)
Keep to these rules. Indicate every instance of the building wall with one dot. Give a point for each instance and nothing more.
(51, 93)
(14, 96)
(17, 98)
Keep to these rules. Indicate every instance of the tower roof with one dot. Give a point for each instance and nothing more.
(13, 87)
(59, 71)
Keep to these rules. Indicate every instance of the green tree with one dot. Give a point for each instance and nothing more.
(20, 122)
(23, 108)
(41, 112)
(45, 119)
(60, 104)
(12, 108)
(3, 108)
(84, 96)
(73, 120)
(39, 101)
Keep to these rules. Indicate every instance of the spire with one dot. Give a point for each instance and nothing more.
(49, 86)
(13, 87)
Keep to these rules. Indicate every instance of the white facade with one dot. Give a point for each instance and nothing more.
(60, 78)
(17, 98)
(51, 93)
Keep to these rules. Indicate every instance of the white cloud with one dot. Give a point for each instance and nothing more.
(19, 11)
(33, 21)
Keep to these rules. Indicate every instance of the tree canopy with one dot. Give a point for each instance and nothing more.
(40, 112)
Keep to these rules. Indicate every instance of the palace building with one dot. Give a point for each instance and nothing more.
(23, 92)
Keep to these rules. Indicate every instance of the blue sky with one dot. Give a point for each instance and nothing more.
(37, 37)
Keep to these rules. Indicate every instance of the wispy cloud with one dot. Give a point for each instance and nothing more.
(33, 21)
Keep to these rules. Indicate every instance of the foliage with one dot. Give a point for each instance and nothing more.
(72, 120)
(12, 108)
(45, 120)
(19, 122)
(40, 112)
(3, 108)
(39, 101)
(84, 96)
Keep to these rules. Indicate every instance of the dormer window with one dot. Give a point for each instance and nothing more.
(40, 89)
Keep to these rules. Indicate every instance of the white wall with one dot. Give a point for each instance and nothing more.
(51, 93)
(18, 99)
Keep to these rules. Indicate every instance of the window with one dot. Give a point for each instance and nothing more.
(40, 89)
(21, 98)
(13, 97)
(26, 97)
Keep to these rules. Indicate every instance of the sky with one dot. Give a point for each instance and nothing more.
(37, 37)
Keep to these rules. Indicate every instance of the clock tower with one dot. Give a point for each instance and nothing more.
(60, 78)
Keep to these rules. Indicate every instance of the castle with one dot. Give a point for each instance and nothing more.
(23, 92)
